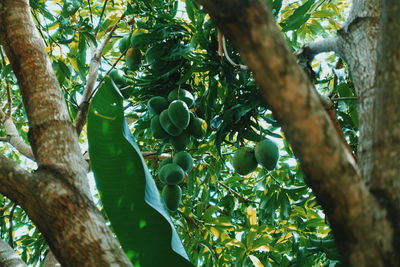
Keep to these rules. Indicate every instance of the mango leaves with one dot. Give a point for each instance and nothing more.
(128, 192)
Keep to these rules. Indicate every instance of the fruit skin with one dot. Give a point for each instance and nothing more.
(171, 173)
(244, 160)
(197, 128)
(167, 125)
(124, 44)
(165, 161)
(157, 129)
(184, 160)
(172, 195)
(267, 154)
(180, 142)
(133, 58)
(181, 94)
(179, 115)
(157, 104)
(117, 78)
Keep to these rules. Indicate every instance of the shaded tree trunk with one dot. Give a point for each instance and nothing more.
(55, 196)
(8, 257)
(363, 227)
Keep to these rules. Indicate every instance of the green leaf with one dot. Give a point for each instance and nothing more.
(127, 189)
(299, 17)
(284, 204)
(190, 11)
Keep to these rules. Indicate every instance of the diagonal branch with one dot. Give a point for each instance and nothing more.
(15, 182)
(92, 77)
(330, 169)
(13, 136)
(56, 199)
(52, 136)
(309, 51)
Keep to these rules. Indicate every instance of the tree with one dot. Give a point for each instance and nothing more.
(268, 217)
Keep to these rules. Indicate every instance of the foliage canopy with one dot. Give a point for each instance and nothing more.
(265, 218)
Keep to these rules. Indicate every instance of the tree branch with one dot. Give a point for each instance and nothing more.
(52, 136)
(54, 197)
(91, 79)
(14, 181)
(14, 138)
(309, 51)
(8, 257)
(330, 169)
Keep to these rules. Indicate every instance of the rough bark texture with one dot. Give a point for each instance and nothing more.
(53, 139)
(8, 257)
(50, 260)
(353, 211)
(385, 183)
(13, 136)
(357, 42)
(55, 196)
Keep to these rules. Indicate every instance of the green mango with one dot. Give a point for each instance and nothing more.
(267, 154)
(171, 173)
(180, 142)
(181, 94)
(157, 129)
(244, 160)
(172, 195)
(165, 161)
(184, 160)
(118, 78)
(124, 44)
(179, 115)
(197, 128)
(157, 104)
(133, 58)
(167, 125)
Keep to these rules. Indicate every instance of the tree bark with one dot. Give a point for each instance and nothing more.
(53, 139)
(357, 41)
(8, 257)
(385, 183)
(55, 196)
(353, 212)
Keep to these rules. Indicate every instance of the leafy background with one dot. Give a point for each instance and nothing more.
(262, 219)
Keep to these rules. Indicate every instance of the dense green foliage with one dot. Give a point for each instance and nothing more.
(265, 218)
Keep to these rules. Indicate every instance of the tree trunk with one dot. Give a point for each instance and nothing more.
(55, 196)
(362, 229)
(356, 43)
(385, 183)
(8, 257)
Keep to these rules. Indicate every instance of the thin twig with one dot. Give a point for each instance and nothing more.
(90, 11)
(14, 138)
(344, 98)
(101, 17)
(92, 77)
(220, 44)
(233, 192)
(9, 99)
(239, 66)
(102, 80)
(191, 220)
(40, 26)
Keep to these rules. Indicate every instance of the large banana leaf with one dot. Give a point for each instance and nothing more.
(127, 189)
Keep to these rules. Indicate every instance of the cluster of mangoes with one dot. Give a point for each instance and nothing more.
(171, 172)
(133, 55)
(246, 159)
(173, 122)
